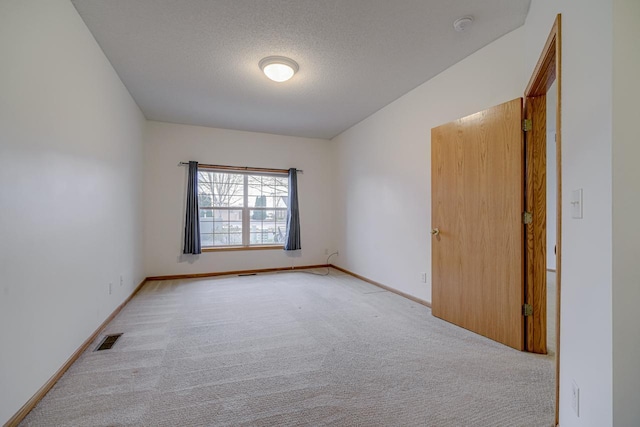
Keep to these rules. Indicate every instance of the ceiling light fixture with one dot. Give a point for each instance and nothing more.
(278, 68)
(461, 24)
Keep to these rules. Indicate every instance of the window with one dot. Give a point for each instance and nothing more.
(242, 209)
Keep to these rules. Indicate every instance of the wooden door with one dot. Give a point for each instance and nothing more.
(477, 204)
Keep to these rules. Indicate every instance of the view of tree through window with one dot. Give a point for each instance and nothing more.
(242, 209)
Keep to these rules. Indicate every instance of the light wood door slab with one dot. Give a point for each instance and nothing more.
(477, 203)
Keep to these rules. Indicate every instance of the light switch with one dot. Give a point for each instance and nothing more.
(576, 204)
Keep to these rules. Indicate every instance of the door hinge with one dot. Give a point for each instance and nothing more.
(527, 217)
(527, 310)
(527, 125)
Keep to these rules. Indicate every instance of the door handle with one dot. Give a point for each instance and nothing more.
(435, 232)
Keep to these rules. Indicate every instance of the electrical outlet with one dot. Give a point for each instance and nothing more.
(110, 288)
(575, 398)
(423, 277)
(121, 280)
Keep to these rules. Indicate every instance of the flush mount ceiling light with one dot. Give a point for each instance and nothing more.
(278, 68)
(461, 24)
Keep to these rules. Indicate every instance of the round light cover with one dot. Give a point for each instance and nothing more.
(278, 68)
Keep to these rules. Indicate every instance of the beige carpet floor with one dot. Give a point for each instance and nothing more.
(294, 349)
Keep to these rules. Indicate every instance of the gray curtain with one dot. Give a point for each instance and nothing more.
(292, 239)
(191, 221)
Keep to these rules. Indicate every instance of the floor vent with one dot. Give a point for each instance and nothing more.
(108, 342)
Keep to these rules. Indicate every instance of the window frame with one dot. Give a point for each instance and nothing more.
(245, 208)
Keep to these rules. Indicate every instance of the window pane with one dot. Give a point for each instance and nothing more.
(267, 226)
(204, 200)
(255, 239)
(206, 224)
(281, 230)
(267, 191)
(205, 213)
(282, 201)
(281, 215)
(223, 227)
(235, 239)
(206, 239)
(236, 201)
(235, 227)
(220, 240)
(255, 183)
(222, 197)
(220, 189)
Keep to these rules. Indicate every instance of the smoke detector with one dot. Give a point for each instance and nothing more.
(461, 24)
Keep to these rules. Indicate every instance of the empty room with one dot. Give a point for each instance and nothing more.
(335, 212)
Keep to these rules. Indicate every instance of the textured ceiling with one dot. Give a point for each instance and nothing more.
(196, 61)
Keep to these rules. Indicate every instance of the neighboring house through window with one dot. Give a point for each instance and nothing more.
(242, 209)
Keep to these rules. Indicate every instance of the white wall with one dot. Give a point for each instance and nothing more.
(586, 328)
(71, 149)
(165, 186)
(626, 205)
(382, 173)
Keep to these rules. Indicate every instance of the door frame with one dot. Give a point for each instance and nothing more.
(548, 69)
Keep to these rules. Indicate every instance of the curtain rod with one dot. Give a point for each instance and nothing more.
(242, 168)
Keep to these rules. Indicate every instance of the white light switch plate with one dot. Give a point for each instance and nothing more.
(576, 204)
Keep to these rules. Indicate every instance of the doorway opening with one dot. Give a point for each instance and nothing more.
(543, 200)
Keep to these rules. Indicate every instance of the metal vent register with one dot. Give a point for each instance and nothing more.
(108, 342)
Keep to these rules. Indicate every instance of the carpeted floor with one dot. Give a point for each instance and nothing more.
(295, 349)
